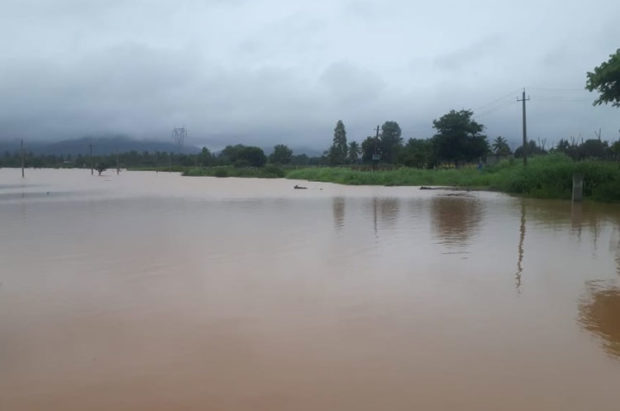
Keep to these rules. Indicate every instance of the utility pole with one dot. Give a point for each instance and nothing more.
(21, 153)
(375, 156)
(523, 99)
(90, 147)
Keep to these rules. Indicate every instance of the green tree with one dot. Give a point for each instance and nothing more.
(531, 148)
(300, 160)
(390, 141)
(281, 154)
(615, 149)
(254, 156)
(101, 167)
(417, 153)
(606, 80)
(594, 148)
(501, 147)
(230, 154)
(354, 152)
(370, 147)
(243, 156)
(459, 138)
(205, 158)
(338, 151)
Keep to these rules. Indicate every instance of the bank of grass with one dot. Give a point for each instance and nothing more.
(168, 169)
(544, 177)
(229, 171)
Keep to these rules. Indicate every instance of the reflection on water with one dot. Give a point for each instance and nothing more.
(383, 211)
(388, 210)
(338, 210)
(578, 217)
(614, 246)
(456, 218)
(36, 195)
(618, 258)
(520, 248)
(600, 314)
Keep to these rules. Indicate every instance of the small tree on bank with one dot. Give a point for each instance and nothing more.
(243, 156)
(417, 153)
(281, 154)
(205, 158)
(459, 138)
(501, 147)
(390, 141)
(370, 147)
(101, 167)
(354, 152)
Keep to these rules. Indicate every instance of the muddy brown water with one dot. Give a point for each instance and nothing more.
(151, 291)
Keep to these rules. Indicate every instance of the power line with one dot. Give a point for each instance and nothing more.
(491, 110)
(510, 94)
(556, 89)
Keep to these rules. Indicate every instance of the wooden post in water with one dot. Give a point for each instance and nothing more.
(90, 147)
(577, 187)
(21, 152)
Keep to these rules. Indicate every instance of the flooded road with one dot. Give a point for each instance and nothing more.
(151, 291)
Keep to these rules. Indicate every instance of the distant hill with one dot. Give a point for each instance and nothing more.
(101, 145)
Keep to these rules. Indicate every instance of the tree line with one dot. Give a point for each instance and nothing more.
(458, 140)
(234, 155)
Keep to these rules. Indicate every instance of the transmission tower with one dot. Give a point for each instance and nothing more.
(178, 136)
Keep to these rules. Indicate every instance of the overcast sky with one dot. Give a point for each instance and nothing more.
(279, 71)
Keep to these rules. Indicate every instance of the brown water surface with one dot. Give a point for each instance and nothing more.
(151, 291)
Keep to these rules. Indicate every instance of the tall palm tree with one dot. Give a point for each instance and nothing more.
(354, 152)
(501, 147)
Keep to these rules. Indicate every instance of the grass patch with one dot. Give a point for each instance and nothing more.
(169, 169)
(228, 171)
(547, 176)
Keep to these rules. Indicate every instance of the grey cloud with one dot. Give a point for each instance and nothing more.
(349, 84)
(274, 71)
(474, 53)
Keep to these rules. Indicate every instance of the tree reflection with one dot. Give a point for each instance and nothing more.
(618, 259)
(385, 211)
(338, 210)
(456, 218)
(599, 313)
(388, 210)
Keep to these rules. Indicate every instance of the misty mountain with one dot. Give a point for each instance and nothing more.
(101, 145)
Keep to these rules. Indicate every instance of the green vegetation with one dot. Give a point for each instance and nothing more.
(606, 80)
(545, 177)
(228, 171)
(101, 167)
(459, 138)
(500, 147)
(281, 155)
(337, 153)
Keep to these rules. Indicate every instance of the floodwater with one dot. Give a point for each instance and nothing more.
(151, 291)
